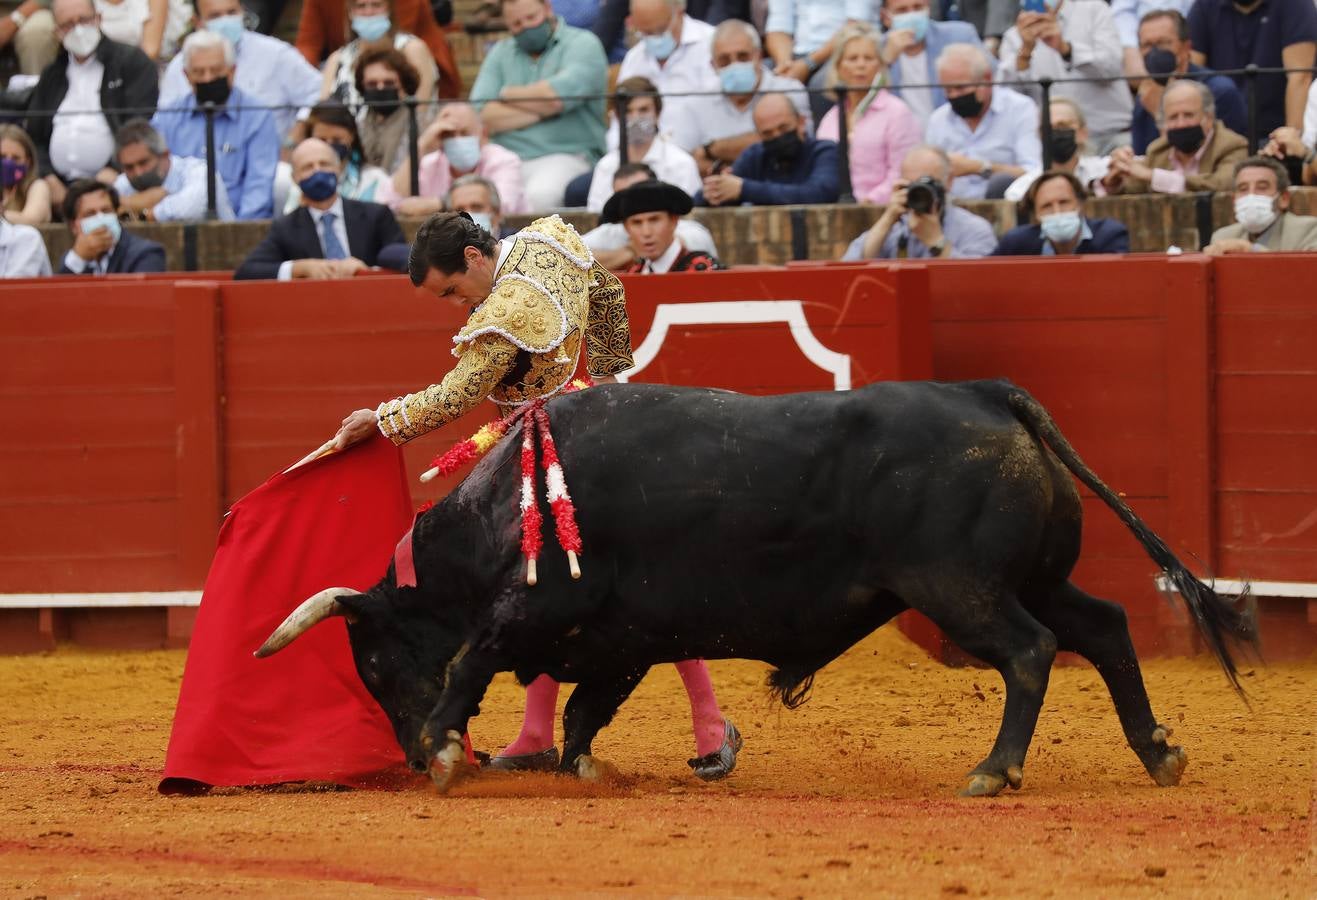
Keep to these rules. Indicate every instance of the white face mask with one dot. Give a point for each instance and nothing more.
(82, 40)
(1255, 212)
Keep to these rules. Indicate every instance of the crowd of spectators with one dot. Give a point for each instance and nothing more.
(158, 111)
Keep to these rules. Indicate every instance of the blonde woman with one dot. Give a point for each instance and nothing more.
(881, 128)
(25, 197)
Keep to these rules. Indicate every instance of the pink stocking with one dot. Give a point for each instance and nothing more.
(706, 718)
(537, 726)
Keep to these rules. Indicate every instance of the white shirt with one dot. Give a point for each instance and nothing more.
(185, 183)
(914, 70)
(1310, 117)
(22, 252)
(669, 162)
(1089, 170)
(689, 68)
(664, 263)
(706, 119)
(81, 145)
(340, 232)
(1007, 134)
(613, 236)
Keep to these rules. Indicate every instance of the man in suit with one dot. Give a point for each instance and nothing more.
(1056, 204)
(327, 236)
(1263, 222)
(100, 245)
(914, 42)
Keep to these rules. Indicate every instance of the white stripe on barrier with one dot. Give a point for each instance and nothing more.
(106, 600)
(1257, 588)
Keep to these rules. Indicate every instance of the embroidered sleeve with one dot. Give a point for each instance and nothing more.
(482, 365)
(607, 329)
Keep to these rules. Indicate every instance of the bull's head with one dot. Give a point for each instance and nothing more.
(399, 651)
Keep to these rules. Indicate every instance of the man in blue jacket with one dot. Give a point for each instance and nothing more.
(786, 166)
(1056, 204)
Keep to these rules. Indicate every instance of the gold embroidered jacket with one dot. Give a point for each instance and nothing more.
(524, 341)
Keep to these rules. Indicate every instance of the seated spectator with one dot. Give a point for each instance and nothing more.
(1263, 221)
(372, 22)
(914, 42)
(22, 251)
(324, 27)
(156, 186)
(1073, 39)
(989, 134)
(674, 54)
(384, 79)
(477, 197)
(246, 141)
(30, 28)
(26, 198)
(918, 222)
(610, 243)
(139, 23)
(268, 70)
(1196, 153)
(646, 143)
(332, 123)
(328, 236)
(880, 127)
(1056, 204)
(650, 211)
(1292, 151)
(453, 146)
(1129, 14)
(1273, 34)
(716, 129)
(1163, 39)
(786, 166)
(530, 93)
(1070, 151)
(100, 245)
(799, 36)
(90, 74)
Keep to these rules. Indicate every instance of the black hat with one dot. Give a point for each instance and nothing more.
(646, 196)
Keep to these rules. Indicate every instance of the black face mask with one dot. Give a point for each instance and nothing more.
(1187, 139)
(784, 149)
(215, 91)
(382, 100)
(1160, 65)
(1064, 145)
(146, 180)
(967, 106)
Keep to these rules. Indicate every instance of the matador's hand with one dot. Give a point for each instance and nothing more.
(356, 428)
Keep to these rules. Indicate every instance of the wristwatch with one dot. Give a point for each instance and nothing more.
(986, 172)
(937, 247)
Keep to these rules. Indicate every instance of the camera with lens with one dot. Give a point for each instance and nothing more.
(925, 195)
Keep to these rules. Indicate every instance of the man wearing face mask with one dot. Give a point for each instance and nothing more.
(914, 42)
(1196, 152)
(1056, 204)
(1165, 49)
(246, 139)
(328, 236)
(674, 53)
(786, 166)
(452, 147)
(100, 245)
(90, 74)
(268, 70)
(478, 198)
(156, 186)
(1070, 151)
(644, 112)
(1263, 221)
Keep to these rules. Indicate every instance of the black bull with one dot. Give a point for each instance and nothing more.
(783, 529)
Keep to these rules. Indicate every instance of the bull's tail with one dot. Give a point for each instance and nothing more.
(1221, 621)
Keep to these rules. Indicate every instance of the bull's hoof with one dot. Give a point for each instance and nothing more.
(449, 765)
(1167, 772)
(1015, 777)
(983, 784)
(592, 768)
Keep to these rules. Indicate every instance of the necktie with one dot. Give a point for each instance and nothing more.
(333, 248)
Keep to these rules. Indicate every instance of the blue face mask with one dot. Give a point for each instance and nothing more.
(228, 27)
(1062, 227)
(96, 222)
(912, 21)
(319, 185)
(660, 46)
(463, 152)
(370, 28)
(483, 220)
(738, 77)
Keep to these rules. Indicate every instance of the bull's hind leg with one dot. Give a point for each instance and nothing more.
(591, 706)
(1098, 631)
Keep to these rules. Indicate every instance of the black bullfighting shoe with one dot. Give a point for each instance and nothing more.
(720, 762)
(544, 761)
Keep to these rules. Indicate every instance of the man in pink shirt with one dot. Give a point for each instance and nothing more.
(454, 145)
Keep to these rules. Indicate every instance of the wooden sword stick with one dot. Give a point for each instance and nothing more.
(323, 450)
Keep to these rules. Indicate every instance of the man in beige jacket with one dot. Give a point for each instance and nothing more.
(1263, 221)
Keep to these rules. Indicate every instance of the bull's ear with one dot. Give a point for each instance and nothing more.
(355, 606)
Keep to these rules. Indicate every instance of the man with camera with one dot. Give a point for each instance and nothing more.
(918, 223)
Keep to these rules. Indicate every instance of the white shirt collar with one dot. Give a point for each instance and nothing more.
(318, 214)
(664, 262)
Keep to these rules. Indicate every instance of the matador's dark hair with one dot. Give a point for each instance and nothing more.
(440, 243)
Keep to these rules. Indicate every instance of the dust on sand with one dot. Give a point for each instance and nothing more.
(850, 795)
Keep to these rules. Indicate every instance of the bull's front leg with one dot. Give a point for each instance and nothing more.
(465, 682)
(592, 705)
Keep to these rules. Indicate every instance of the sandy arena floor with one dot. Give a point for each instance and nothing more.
(850, 796)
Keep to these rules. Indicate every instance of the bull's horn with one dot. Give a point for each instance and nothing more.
(313, 611)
